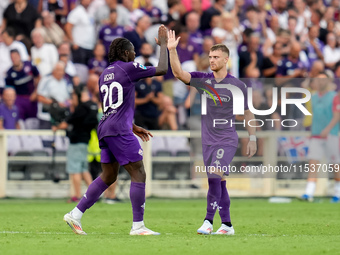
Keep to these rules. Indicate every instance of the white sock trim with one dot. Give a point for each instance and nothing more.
(137, 224)
(76, 213)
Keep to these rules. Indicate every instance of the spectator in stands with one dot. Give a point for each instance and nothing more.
(93, 88)
(44, 55)
(53, 32)
(149, 101)
(103, 12)
(64, 51)
(303, 15)
(252, 56)
(291, 67)
(203, 62)
(216, 9)
(110, 31)
(192, 22)
(136, 36)
(22, 17)
(270, 63)
(215, 22)
(315, 19)
(8, 36)
(5, 63)
(154, 13)
(9, 114)
(331, 53)
(187, 50)
(52, 87)
(81, 32)
(98, 63)
(313, 46)
(3, 6)
(23, 77)
(230, 35)
(79, 125)
(58, 8)
(147, 55)
(273, 36)
(172, 16)
(255, 22)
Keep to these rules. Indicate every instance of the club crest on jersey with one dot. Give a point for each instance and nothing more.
(140, 152)
(142, 66)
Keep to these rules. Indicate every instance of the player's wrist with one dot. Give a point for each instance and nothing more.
(252, 138)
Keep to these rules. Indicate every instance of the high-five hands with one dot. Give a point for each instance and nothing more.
(172, 42)
(162, 35)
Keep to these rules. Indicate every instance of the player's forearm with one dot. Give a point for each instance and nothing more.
(177, 69)
(162, 67)
(248, 115)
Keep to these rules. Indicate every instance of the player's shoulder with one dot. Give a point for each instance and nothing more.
(236, 82)
(202, 75)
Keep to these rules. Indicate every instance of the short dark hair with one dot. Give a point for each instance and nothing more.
(220, 47)
(14, 51)
(117, 48)
(10, 31)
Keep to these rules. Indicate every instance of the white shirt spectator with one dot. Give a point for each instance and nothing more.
(71, 69)
(3, 6)
(83, 31)
(5, 63)
(153, 60)
(45, 58)
(331, 55)
(50, 87)
(21, 48)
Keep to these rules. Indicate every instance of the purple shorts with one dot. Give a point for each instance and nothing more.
(121, 148)
(218, 156)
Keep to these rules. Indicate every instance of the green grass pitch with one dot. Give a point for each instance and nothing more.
(36, 227)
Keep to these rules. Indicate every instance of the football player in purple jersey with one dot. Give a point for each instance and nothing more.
(116, 130)
(219, 139)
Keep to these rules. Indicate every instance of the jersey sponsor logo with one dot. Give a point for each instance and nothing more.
(109, 76)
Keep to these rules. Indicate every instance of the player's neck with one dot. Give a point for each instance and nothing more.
(220, 75)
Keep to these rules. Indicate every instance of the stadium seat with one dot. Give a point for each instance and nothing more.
(181, 171)
(32, 123)
(162, 170)
(18, 169)
(13, 144)
(82, 72)
(31, 142)
(178, 143)
(158, 143)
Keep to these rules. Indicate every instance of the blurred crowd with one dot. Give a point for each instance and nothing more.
(48, 47)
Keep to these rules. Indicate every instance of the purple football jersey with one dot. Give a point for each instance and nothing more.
(222, 109)
(108, 33)
(117, 93)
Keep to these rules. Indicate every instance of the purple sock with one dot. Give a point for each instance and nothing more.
(96, 188)
(224, 203)
(213, 197)
(137, 197)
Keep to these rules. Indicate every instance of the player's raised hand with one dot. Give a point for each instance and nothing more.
(142, 133)
(172, 42)
(251, 148)
(162, 35)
